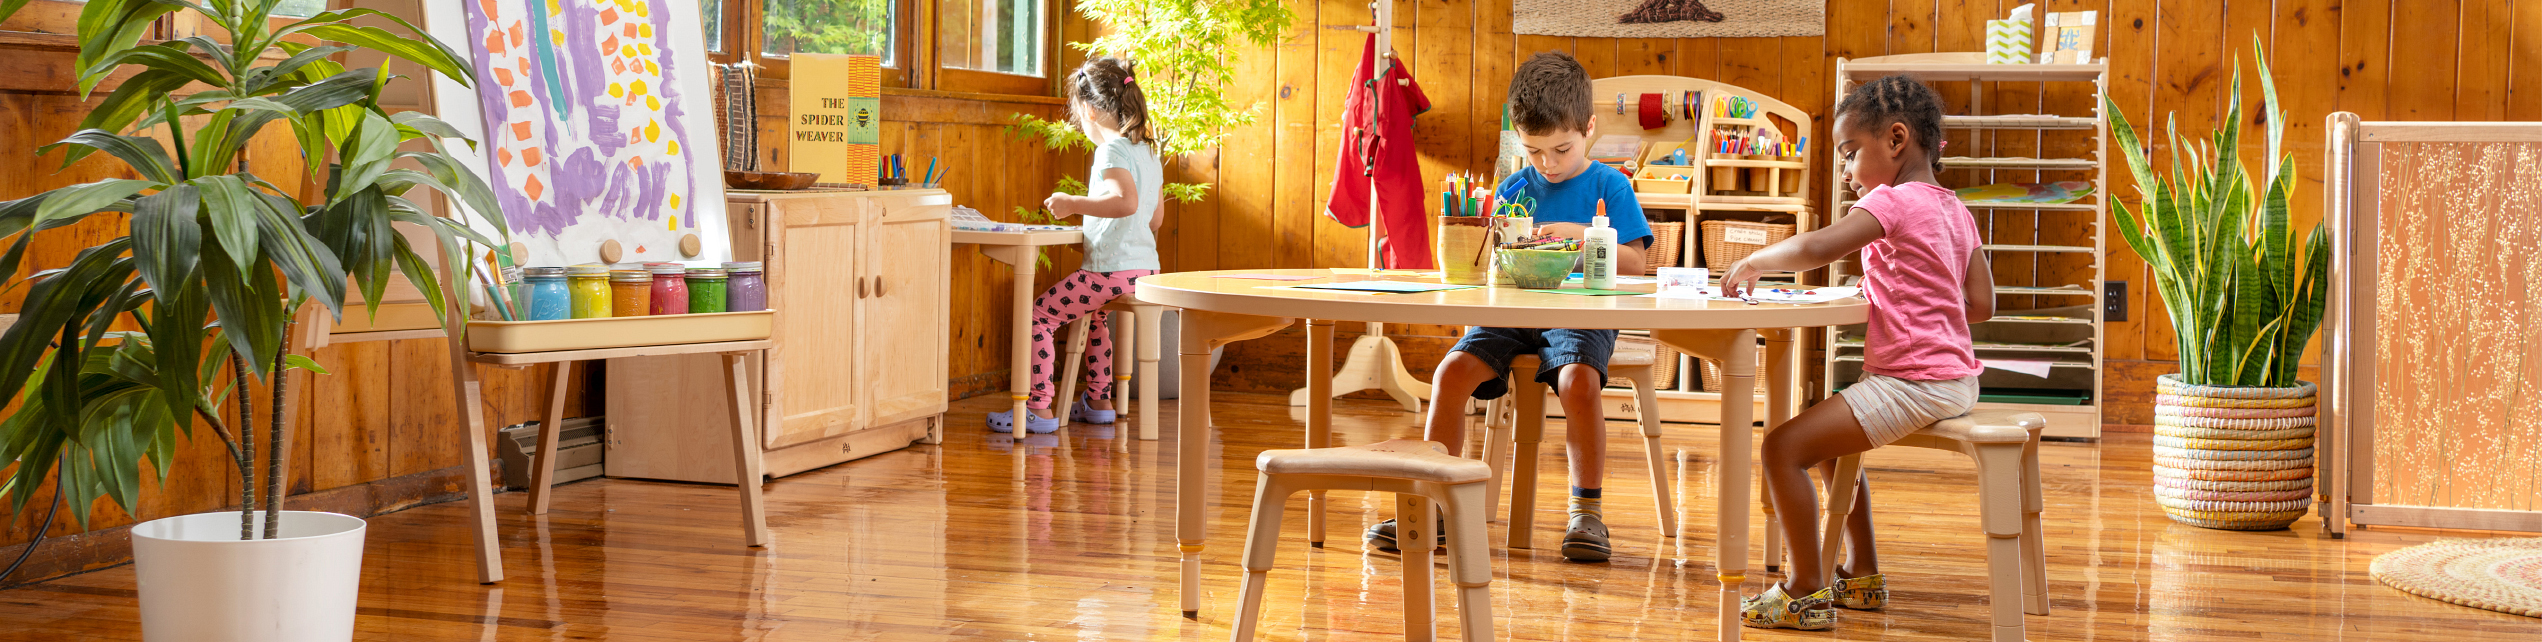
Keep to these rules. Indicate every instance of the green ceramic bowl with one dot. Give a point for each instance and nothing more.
(1536, 269)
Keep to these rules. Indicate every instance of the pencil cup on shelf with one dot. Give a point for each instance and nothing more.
(1791, 179)
(1724, 179)
(1536, 269)
(1506, 229)
(1463, 242)
(1760, 179)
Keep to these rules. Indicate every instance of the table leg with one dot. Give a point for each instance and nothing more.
(1779, 366)
(754, 522)
(1319, 414)
(1125, 359)
(1021, 364)
(1735, 350)
(1528, 397)
(471, 400)
(543, 462)
(1201, 331)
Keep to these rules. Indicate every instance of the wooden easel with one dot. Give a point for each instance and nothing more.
(1374, 362)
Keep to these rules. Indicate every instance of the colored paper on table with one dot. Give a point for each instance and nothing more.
(1793, 296)
(1389, 287)
(1267, 277)
(1590, 292)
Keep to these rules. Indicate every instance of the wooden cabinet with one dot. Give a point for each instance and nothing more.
(859, 281)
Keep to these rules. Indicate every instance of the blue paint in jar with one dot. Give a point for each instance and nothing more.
(549, 300)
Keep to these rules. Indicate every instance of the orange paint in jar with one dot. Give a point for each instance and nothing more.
(630, 292)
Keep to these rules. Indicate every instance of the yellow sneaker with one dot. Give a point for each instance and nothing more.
(1866, 593)
(1775, 609)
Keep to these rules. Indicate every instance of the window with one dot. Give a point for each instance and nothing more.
(712, 11)
(831, 27)
(1003, 36)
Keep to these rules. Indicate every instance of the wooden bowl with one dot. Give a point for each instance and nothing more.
(738, 179)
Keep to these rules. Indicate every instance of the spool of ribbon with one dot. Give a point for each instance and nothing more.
(1653, 116)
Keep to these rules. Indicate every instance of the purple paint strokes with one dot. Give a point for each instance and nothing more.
(584, 175)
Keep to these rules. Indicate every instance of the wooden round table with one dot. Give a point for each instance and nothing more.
(1222, 307)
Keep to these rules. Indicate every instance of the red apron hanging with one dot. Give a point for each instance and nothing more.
(1379, 145)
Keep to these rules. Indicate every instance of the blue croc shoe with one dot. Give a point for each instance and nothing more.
(1005, 422)
(1086, 414)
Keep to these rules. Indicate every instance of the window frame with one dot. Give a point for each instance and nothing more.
(914, 42)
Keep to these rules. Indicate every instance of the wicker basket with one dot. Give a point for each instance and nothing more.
(1663, 362)
(1719, 252)
(1666, 239)
(1712, 373)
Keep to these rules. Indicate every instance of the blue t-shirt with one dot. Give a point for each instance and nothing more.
(1576, 200)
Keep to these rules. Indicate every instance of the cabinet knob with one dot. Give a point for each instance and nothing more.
(860, 288)
(878, 287)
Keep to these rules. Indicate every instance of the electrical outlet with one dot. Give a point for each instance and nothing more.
(2113, 301)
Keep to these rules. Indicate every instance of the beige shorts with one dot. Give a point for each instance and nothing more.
(1890, 408)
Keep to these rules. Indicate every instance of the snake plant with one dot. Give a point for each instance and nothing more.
(117, 352)
(2244, 295)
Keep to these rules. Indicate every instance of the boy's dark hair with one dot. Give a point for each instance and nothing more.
(1898, 99)
(1107, 85)
(1549, 93)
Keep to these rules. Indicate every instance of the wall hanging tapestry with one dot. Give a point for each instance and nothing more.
(1670, 18)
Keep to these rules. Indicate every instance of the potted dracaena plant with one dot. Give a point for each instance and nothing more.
(2233, 429)
(139, 339)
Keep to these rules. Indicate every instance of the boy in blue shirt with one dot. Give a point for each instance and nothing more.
(1550, 107)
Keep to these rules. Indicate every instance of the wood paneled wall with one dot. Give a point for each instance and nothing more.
(2463, 60)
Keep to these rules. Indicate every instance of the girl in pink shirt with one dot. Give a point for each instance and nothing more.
(1927, 281)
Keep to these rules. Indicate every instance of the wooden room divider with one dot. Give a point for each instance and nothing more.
(2433, 337)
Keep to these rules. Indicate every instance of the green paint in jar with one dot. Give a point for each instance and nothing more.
(706, 290)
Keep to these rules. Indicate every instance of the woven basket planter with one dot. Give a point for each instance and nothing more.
(2233, 458)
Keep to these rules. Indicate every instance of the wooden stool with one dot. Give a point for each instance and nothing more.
(1146, 323)
(1529, 417)
(2006, 447)
(1418, 473)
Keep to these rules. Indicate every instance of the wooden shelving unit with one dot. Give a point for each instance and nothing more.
(2065, 327)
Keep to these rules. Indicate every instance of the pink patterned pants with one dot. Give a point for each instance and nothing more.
(1082, 294)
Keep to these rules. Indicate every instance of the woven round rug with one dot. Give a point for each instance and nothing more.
(2230, 455)
(2503, 575)
(2188, 432)
(2184, 463)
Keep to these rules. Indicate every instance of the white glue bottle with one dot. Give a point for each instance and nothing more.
(1597, 252)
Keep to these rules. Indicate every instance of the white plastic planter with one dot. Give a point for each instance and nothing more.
(201, 583)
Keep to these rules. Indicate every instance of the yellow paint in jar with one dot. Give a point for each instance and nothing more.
(588, 285)
(630, 292)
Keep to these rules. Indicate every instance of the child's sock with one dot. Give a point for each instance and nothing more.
(1584, 501)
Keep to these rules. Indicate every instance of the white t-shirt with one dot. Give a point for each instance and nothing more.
(1126, 243)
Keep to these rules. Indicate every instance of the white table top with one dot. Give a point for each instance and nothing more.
(1489, 305)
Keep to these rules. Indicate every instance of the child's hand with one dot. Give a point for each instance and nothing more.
(1740, 279)
(1058, 204)
(1564, 230)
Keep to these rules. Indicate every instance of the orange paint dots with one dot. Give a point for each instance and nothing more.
(639, 249)
(609, 47)
(532, 187)
(515, 33)
(631, 30)
(494, 43)
(530, 157)
(617, 65)
(503, 76)
(491, 8)
(521, 130)
(503, 156)
(636, 162)
(520, 98)
(609, 17)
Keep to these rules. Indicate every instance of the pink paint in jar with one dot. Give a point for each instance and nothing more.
(670, 288)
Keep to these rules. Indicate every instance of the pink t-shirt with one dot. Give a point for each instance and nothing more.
(1914, 276)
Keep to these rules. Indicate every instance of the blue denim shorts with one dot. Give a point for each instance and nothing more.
(1553, 349)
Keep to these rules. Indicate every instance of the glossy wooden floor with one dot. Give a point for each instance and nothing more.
(938, 543)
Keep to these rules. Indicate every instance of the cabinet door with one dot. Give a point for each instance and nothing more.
(908, 264)
(815, 245)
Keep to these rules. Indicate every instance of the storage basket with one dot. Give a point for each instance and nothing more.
(1666, 240)
(1712, 372)
(1663, 361)
(1664, 179)
(1725, 242)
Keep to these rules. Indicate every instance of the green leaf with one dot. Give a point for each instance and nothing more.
(366, 156)
(251, 309)
(88, 198)
(231, 207)
(143, 155)
(303, 362)
(171, 57)
(424, 51)
(165, 238)
(107, 27)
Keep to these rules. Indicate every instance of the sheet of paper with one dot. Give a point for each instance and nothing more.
(2030, 367)
(1765, 295)
(1268, 277)
(1589, 292)
(1391, 287)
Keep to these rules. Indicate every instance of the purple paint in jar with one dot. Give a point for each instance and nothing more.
(670, 288)
(745, 290)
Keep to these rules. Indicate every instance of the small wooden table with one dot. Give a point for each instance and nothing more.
(543, 466)
(1217, 311)
(1019, 250)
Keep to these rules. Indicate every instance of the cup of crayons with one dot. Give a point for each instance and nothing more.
(895, 171)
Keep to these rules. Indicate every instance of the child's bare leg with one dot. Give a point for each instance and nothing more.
(1862, 556)
(1583, 424)
(1451, 387)
(1821, 433)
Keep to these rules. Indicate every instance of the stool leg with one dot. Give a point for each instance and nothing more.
(1416, 524)
(1076, 352)
(1124, 357)
(1470, 557)
(2034, 552)
(1840, 504)
(1646, 400)
(1151, 341)
(1262, 546)
(1319, 414)
(1999, 501)
(1531, 431)
(1498, 436)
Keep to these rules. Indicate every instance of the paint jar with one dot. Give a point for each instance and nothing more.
(630, 292)
(549, 300)
(670, 288)
(748, 290)
(705, 290)
(588, 284)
